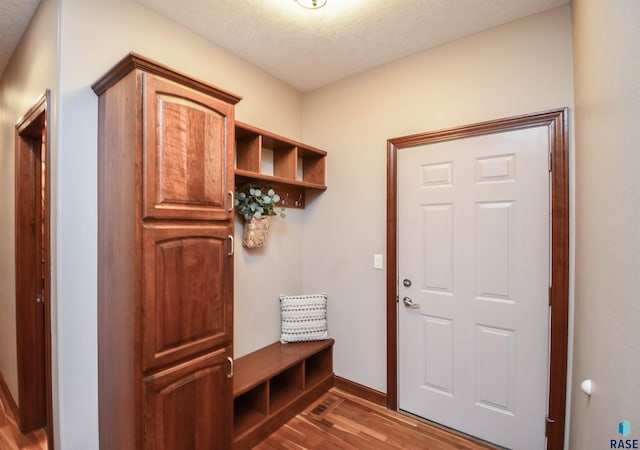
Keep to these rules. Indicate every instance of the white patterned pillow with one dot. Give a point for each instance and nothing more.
(304, 318)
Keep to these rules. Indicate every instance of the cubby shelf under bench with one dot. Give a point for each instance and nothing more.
(273, 384)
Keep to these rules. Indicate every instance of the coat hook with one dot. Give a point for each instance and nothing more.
(299, 201)
(284, 200)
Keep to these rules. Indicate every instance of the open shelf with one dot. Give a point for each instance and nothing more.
(274, 179)
(285, 387)
(275, 383)
(250, 408)
(262, 156)
(317, 368)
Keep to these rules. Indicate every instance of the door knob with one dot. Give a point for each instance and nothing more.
(409, 303)
(406, 282)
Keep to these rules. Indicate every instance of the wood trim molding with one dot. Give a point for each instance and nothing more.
(392, 276)
(134, 61)
(6, 394)
(557, 121)
(30, 119)
(377, 397)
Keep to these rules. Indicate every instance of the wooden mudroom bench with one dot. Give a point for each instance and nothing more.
(273, 384)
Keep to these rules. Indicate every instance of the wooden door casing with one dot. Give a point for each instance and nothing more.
(188, 156)
(33, 267)
(187, 293)
(29, 314)
(190, 406)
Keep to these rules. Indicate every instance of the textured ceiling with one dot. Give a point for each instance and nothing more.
(311, 48)
(14, 18)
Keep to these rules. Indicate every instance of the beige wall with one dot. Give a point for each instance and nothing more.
(607, 311)
(514, 69)
(31, 71)
(95, 35)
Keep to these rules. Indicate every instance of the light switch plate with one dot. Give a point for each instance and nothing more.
(377, 261)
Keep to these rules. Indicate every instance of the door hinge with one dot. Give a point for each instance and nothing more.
(549, 162)
(397, 299)
(549, 421)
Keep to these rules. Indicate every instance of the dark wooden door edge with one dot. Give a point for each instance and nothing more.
(353, 388)
(28, 129)
(557, 121)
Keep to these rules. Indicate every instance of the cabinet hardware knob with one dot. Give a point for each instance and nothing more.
(232, 246)
(230, 359)
(230, 207)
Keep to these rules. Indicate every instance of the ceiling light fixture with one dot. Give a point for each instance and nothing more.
(311, 4)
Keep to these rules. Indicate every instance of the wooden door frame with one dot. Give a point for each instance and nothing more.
(30, 131)
(557, 121)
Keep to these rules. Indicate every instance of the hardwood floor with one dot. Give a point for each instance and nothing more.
(10, 436)
(339, 420)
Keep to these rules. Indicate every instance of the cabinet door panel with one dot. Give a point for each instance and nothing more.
(188, 157)
(188, 291)
(188, 407)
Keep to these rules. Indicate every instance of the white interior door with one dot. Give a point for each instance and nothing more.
(473, 242)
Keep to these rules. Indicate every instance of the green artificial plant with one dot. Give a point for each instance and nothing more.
(258, 202)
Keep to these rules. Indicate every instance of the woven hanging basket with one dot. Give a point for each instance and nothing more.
(256, 231)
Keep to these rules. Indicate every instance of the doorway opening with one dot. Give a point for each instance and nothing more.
(557, 123)
(33, 269)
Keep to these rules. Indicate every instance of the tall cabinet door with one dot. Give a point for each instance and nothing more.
(187, 291)
(189, 407)
(188, 153)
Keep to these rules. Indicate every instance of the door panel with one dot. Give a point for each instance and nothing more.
(437, 251)
(474, 224)
(187, 153)
(494, 368)
(494, 236)
(437, 343)
(188, 295)
(188, 407)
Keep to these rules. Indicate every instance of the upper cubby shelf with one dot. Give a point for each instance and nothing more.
(266, 157)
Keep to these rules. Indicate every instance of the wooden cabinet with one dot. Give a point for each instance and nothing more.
(265, 157)
(187, 281)
(187, 406)
(165, 259)
(187, 174)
